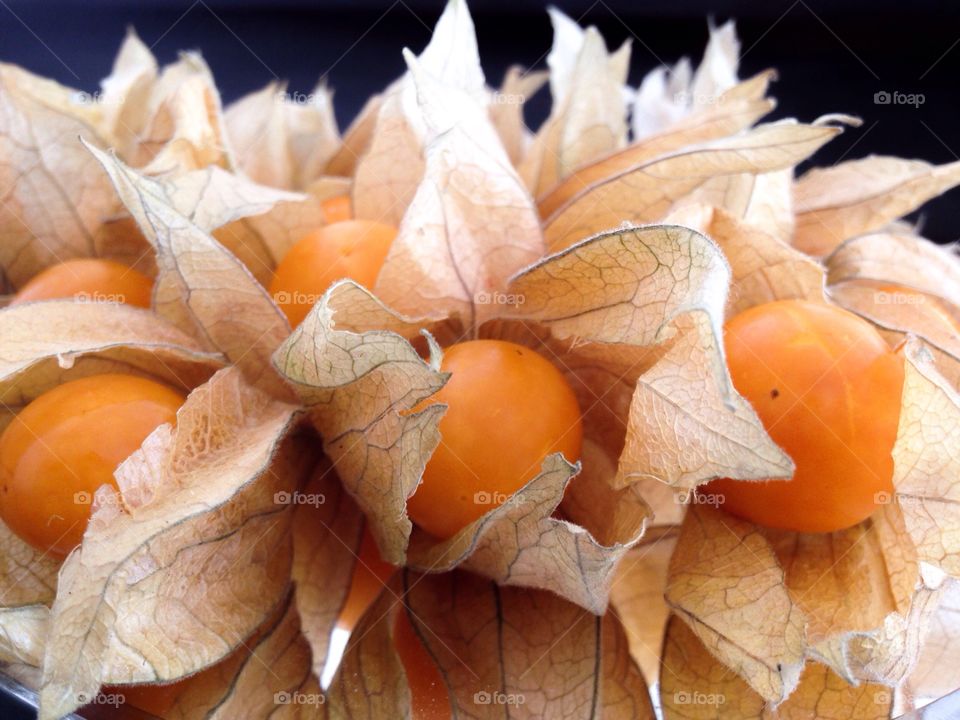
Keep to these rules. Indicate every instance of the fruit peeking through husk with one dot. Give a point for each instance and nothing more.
(352, 249)
(827, 388)
(509, 408)
(65, 444)
(90, 280)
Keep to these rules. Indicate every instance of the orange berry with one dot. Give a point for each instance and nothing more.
(827, 388)
(509, 408)
(354, 249)
(90, 279)
(65, 444)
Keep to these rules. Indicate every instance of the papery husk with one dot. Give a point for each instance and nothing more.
(489, 641)
(860, 196)
(201, 287)
(184, 563)
(55, 195)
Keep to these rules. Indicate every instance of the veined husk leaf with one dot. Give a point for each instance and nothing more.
(283, 140)
(360, 387)
(48, 342)
(187, 559)
(860, 196)
(543, 655)
(506, 108)
(54, 194)
(470, 225)
(763, 268)
(201, 287)
(693, 683)
(646, 191)
(725, 583)
(646, 286)
(388, 173)
(926, 460)
(125, 92)
(184, 127)
(898, 258)
(637, 598)
(738, 109)
(327, 530)
(588, 117)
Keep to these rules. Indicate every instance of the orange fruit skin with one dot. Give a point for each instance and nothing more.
(337, 209)
(65, 444)
(352, 249)
(370, 574)
(509, 408)
(88, 278)
(428, 693)
(827, 388)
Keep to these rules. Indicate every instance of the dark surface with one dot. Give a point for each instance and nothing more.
(832, 56)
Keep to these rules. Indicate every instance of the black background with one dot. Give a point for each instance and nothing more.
(832, 56)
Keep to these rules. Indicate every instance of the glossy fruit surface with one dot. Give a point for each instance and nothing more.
(509, 408)
(827, 388)
(352, 249)
(65, 444)
(89, 279)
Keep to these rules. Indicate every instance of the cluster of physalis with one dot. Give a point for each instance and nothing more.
(538, 419)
